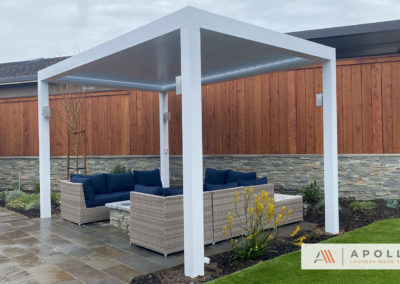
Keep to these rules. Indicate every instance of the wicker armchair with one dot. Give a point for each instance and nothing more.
(156, 222)
(73, 205)
(294, 202)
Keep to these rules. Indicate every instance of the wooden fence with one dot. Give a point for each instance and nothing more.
(272, 113)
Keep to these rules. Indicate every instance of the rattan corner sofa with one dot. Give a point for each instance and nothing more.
(73, 205)
(156, 222)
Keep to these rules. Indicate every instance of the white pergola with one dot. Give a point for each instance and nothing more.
(201, 48)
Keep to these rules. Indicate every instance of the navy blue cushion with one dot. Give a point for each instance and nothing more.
(149, 178)
(211, 187)
(102, 199)
(124, 195)
(214, 176)
(120, 182)
(155, 190)
(240, 176)
(99, 182)
(87, 184)
(260, 181)
(171, 191)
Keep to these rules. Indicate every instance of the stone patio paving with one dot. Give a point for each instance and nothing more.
(57, 251)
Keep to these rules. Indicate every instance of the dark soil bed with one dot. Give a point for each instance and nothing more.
(225, 263)
(351, 219)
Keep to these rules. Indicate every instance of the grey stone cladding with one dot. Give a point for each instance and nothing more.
(362, 176)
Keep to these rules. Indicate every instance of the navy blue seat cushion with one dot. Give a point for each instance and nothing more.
(260, 181)
(87, 184)
(149, 178)
(211, 187)
(214, 176)
(171, 191)
(102, 199)
(120, 182)
(99, 181)
(155, 190)
(240, 176)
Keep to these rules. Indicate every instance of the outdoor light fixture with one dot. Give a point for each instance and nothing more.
(319, 101)
(46, 111)
(166, 116)
(178, 80)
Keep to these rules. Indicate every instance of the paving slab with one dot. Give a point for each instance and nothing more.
(54, 250)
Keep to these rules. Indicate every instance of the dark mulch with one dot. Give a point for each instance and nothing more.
(35, 213)
(351, 219)
(225, 263)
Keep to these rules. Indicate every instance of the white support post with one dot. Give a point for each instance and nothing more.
(192, 151)
(44, 149)
(164, 144)
(330, 147)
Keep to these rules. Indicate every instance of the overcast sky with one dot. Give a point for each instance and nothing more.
(47, 28)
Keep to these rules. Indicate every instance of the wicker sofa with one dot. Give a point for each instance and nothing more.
(156, 222)
(83, 199)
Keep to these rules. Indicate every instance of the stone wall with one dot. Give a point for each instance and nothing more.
(361, 176)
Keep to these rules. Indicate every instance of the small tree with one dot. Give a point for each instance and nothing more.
(68, 107)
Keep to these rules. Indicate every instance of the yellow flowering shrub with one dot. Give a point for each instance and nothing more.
(260, 226)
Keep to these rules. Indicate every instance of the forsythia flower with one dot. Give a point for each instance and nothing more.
(270, 237)
(224, 230)
(300, 241)
(295, 231)
(283, 210)
(237, 198)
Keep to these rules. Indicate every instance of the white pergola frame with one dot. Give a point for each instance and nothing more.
(191, 22)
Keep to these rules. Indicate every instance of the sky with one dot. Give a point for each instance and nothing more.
(31, 29)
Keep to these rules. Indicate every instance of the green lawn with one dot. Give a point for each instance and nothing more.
(286, 268)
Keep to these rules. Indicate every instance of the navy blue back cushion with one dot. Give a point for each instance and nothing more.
(87, 184)
(211, 187)
(171, 191)
(260, 181)
(214, 176)
(240, 176)
(99, 181)
(102, 199)
(120, 182)
(155, 190)
(149, 178)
